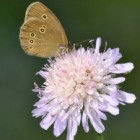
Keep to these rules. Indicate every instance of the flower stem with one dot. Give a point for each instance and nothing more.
(100, 137)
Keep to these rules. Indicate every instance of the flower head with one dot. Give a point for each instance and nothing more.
(79, 86)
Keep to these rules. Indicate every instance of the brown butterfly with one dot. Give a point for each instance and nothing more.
(42, 34)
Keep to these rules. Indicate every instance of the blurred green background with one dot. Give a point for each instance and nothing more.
(116, 21)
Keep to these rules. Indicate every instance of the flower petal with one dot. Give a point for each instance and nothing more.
(95, 120)
(111, 56)
(47, 121)
(101, 115)
(85, 122)
(98, 44)
(39, 111)
(115, 80)
(121, 68)
(109, 108)
(59, 127)
(72, 128)
(111, 100)
(97, 124)
(126, 97)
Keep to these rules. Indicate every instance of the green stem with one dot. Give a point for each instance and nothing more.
(100, 137)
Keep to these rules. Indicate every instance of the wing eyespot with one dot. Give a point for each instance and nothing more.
(30, 47)
(31, 41)
(44, 26)
(44, 16)
(42, 30)
(32, 34)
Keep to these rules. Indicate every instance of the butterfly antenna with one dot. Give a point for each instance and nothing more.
(84, 41)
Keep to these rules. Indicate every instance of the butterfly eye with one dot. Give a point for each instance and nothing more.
(31, 41)
(44, 16)
(32, 34)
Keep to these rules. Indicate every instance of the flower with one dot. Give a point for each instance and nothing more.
(80, 86)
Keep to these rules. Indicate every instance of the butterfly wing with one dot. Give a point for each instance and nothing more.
(42, 33)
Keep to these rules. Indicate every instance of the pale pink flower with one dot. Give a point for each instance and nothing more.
(80, 86)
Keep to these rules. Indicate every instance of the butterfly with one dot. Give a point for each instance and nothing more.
(42, 34)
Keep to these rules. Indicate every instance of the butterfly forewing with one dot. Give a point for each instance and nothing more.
(42, 12)
(42, 33)
(37, 39)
